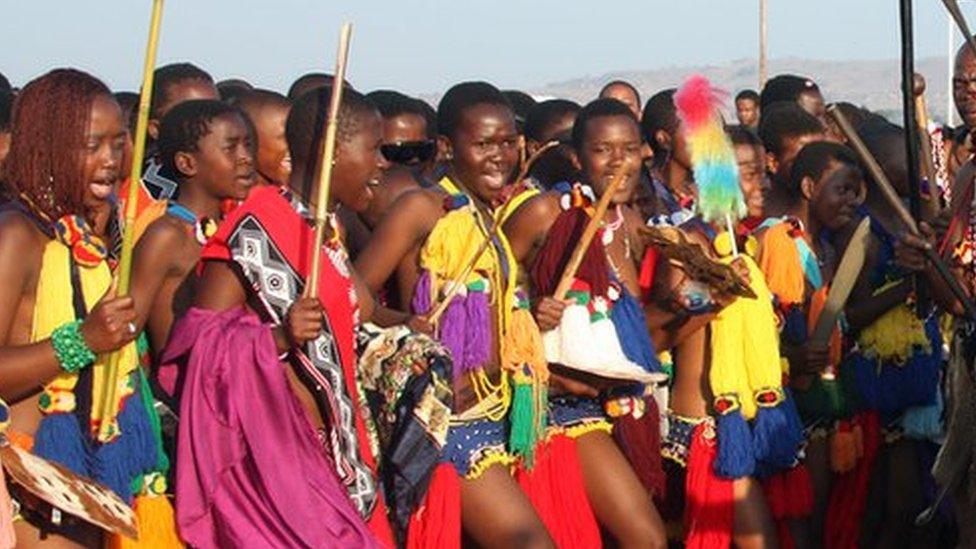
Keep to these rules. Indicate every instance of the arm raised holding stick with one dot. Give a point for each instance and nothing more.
(109, 402)
(891, 196)
(328, 156)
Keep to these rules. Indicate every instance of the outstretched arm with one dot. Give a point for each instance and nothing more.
(408, 222)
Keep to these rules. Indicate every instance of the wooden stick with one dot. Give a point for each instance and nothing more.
(930, 205)
(455, 286)
(953, 7)
(328, 156)
(458, 282)
(524, 172)
(895, 202)
(110, 391)
(588, 233)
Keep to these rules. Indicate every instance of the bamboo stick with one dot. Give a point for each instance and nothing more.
(328, 157)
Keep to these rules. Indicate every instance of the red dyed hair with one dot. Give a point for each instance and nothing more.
(48, 130)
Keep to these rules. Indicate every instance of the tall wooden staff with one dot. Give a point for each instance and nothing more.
(110, 391)
(763, 69)
(953, 7)
(911, 133)
(328, 157)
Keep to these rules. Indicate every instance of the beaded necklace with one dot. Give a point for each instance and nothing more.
(203, 227)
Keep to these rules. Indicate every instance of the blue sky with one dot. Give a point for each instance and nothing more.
(423, 46)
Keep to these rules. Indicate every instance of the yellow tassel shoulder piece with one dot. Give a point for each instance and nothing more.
(451, 246)
(53, 308)
(745, 348)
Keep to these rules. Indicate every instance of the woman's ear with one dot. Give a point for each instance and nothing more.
(663, 139)
(185, 163)
(808, 187)
(445, 150)
(772, 164)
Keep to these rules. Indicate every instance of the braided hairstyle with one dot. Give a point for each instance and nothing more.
(48, 129)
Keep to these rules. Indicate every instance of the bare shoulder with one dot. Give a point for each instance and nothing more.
(543, 208)
(419, 208)
(165, 231)
(163, 241)
(400, 180)
(18, 234)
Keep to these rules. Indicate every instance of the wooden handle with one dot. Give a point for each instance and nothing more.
(328, 155)
(588, 233)
(109, 394)
(527, 165)
(458, 281)
(884, 185)
(931, 206)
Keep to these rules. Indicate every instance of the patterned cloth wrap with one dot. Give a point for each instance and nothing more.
(406, 379)
(268, 237)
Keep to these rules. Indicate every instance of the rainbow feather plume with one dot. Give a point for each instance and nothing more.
(712, 156)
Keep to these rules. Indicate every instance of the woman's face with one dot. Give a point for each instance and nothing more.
(484, 150)
(610, 144)
(103, 150)
(359, 163)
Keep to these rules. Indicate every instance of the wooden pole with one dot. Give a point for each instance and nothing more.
(328, 157)
(910, 122)
(110, 390)
(763, 68)
(588, 233)
(931, 202)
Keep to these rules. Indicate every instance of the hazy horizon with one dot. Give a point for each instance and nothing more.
(423, 46)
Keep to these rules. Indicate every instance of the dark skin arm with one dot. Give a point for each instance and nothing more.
(220, 290)
(909, 249)
(371, 309)
(408, 222)
(909, 255)
(863, 307)
(26, 367)
(155, 259)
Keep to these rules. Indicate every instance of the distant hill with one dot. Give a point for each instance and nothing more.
(873, 84)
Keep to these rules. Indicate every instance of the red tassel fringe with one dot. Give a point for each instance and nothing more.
(640, 441)
(437, 522)
(560, 242)
(789, 495)
(848, 495)
(555, 487)
(710, 505)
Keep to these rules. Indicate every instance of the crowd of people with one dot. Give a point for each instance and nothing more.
(448, 380)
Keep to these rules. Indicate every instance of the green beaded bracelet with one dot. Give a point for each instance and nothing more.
(70, 348)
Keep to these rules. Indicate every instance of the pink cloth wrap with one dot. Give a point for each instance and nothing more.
(252, 472)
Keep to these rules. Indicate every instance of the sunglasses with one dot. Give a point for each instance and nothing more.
(409, 152)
